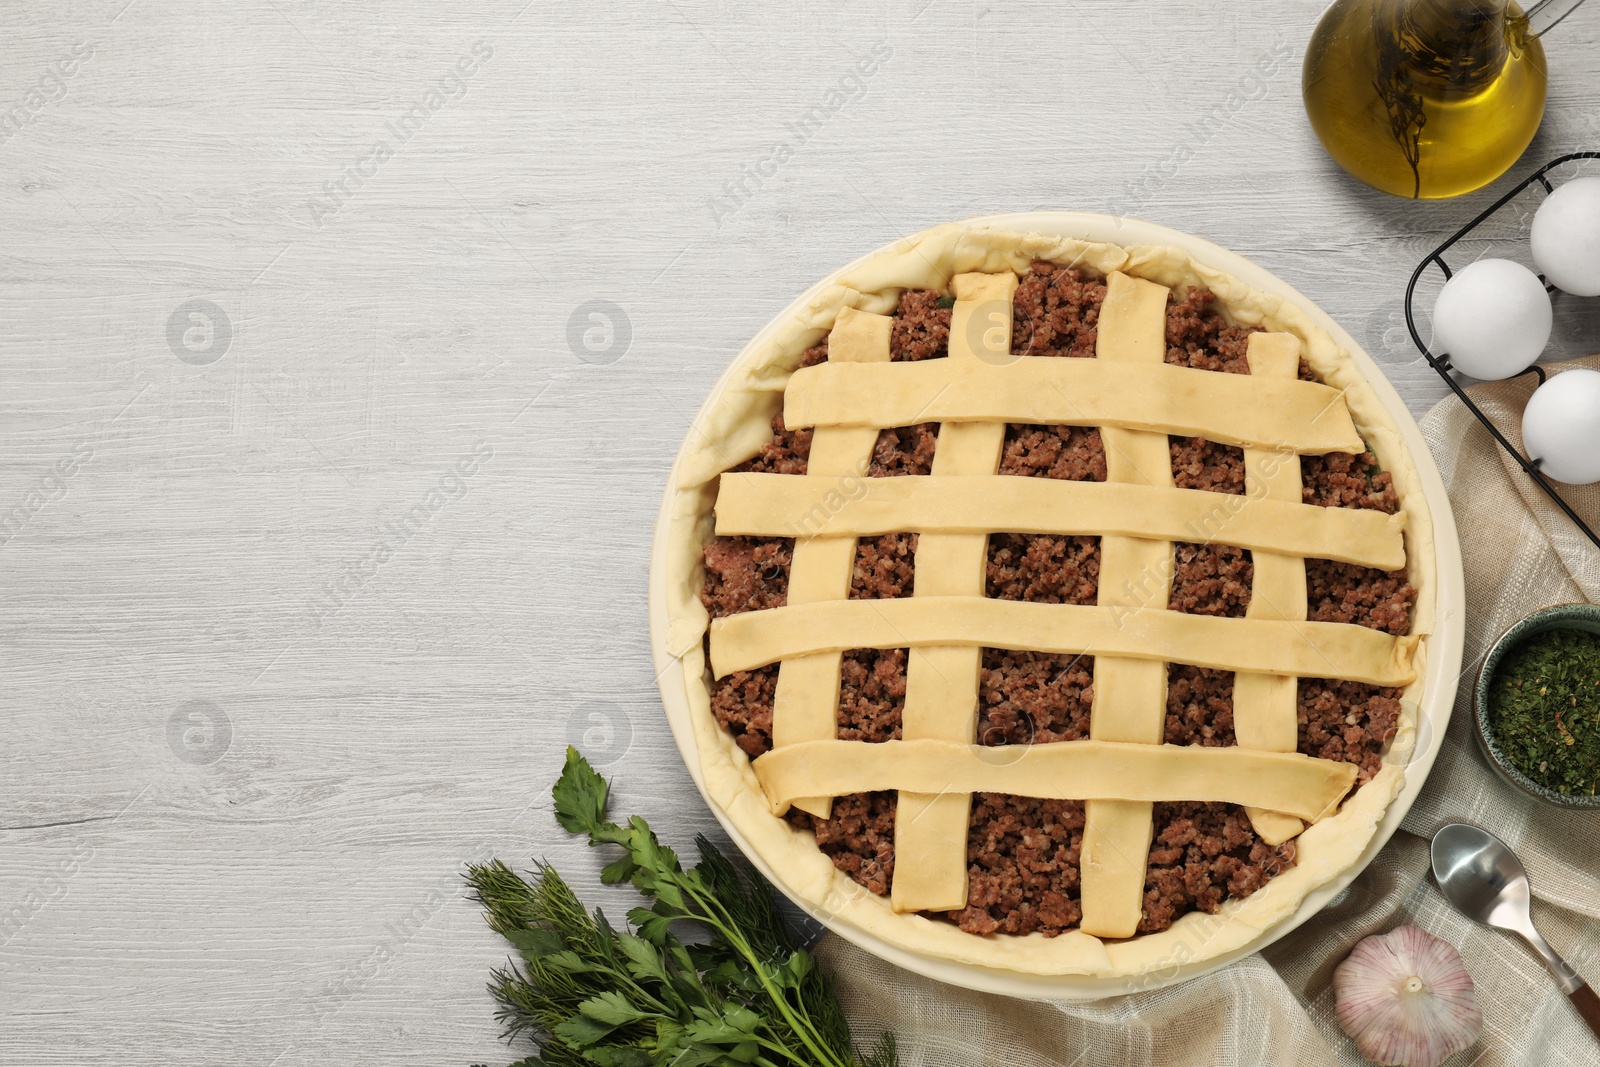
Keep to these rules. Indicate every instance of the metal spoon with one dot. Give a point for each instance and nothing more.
(1483, 878)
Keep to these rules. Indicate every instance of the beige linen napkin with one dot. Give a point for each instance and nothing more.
(1520, 553)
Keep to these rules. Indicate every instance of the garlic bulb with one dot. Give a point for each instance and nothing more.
(1406, 998)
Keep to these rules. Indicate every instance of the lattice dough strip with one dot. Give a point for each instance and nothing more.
(781, 504)
(1265, 705)
(1257, 646)
(1130, 695)
(805, 704)
(1231, 409)
(942, 681)
(1065, 770)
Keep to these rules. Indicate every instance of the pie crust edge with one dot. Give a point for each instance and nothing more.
(734, 424)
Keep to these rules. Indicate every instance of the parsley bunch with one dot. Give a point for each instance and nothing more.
(596, 995)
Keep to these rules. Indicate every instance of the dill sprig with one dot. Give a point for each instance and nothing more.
(591, 994)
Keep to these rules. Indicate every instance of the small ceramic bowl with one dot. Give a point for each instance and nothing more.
(1560, 617)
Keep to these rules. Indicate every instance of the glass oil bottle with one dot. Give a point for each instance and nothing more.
(1428, 98)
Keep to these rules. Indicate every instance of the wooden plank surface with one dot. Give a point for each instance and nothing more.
(329, 505)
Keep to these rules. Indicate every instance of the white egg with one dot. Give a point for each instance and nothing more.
(1561, 427)
(1493, 319)
(1566, 237)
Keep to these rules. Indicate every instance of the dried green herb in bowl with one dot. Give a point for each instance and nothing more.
(1537, 706)
(1544, 709)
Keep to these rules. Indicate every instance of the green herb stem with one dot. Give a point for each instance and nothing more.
(639, 997)
(723, 923)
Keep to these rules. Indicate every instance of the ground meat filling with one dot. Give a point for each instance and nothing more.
(872, 694)
(1066, 453)
(1211, 580)
(883, 568)
(751, 573)
(1202, 854)
(1206, 579)
(786, 453)
(1056, 312)
(1023, 853)
(1023, 857)
(904, 450)
(1034, 698)
(899, 450)
(1199, 706)
(1339, 480)
(1199, 336)
(1340, 720)
(746, 574)
(1348, 721)
(858, 836)
(1043, 569)
(1201, 464)
(921, 327)
(742, 703)
(1344, 592)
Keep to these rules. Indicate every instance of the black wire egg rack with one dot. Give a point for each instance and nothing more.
(1441, 363)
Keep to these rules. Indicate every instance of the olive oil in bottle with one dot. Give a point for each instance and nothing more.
(1428, 98)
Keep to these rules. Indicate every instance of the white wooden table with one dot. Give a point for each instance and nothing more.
(326, 485)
